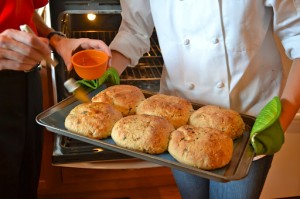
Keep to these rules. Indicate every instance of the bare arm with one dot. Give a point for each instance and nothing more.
(290, 98)
(119, 61)
(42, 28)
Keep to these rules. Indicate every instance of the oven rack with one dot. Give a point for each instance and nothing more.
(149, 66)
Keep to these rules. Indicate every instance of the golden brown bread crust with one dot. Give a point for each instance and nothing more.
(144, 133)
(204, 148)
(226, 120)
(124, 98)
(94, 120)
(176, 110)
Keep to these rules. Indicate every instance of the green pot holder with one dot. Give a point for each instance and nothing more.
(266, 135)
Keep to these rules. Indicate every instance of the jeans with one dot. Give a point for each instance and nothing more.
(250, 187)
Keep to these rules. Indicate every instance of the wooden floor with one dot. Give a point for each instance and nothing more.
(151, 183)
(168, 192)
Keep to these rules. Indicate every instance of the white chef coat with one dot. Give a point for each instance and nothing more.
(215, 52)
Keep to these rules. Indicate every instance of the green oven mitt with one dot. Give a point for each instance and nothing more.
(110, 76)
(267, 135)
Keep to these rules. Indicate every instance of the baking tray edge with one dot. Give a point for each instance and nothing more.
(237, 169)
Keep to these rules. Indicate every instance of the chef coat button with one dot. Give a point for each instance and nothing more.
(215, 40)
(186, 42)
(190, 86)
(220, 85)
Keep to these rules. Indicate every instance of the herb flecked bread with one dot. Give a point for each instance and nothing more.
(144, 133)
(94, 120)
(228, 121)
(124, 98)
(176, 110)
(204, 148)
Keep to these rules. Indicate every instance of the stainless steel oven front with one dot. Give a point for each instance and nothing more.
(71, 17)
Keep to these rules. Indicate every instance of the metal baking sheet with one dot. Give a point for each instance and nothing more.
(54, 117)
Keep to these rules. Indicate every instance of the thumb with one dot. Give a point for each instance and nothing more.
(69, 66)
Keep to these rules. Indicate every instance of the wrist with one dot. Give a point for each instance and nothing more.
(51, 34)
(54, 38)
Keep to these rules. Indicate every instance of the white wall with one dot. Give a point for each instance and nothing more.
(284, 176)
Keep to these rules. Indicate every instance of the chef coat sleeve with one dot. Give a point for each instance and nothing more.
(286, 24)
(133, 38)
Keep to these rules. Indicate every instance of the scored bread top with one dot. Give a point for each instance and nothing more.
(204, 148)
(228, 121)
(176, 110)
(124, 98)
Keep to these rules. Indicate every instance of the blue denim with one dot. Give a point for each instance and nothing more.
(250, 187)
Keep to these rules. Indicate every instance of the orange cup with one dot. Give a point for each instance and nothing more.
(90, 64)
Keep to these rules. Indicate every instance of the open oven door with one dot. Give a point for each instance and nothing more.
(70, 17)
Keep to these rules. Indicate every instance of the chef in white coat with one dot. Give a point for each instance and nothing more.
(222, 53)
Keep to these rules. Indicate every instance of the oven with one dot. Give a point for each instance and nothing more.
(70, 17)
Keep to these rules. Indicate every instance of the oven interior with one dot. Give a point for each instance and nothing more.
(70, 17)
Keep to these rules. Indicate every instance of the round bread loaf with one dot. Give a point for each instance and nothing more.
(204, 148)
(144, 133)
(176, 110)
(94, 120)
(226, 120)
(124, 98)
